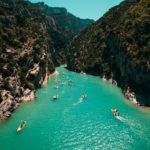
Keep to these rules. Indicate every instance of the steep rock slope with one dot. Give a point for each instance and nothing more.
(64, 18)
(25, 58)
(32, 43)
(117, 47)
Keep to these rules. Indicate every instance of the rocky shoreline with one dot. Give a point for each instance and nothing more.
(10, 103)
(128, 93)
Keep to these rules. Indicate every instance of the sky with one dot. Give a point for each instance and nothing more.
(92, 9)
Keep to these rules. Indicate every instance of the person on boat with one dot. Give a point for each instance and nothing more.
(83, 95)
(23, 123)
(21, 126)
(55, 96)
(115, 112)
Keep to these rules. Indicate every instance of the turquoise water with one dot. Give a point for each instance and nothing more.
(71, 122)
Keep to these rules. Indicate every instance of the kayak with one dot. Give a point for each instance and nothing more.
(21, 127)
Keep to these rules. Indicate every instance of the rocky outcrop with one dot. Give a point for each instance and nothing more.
(111, 81)
(10, 103)
(7, 106)
(31, 44)
(117, 46)
(130, 96)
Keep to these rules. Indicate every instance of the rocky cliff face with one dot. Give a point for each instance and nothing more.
(25, 58)
(118, 47)
(31, 44)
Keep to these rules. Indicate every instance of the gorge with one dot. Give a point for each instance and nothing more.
(35, 38)
(32, 43)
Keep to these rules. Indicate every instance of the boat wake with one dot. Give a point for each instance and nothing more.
(120, 118)
(79, 101)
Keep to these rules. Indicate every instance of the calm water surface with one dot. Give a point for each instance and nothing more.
(71, 122)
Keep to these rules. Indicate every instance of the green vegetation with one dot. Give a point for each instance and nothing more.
(29, 38)
(117, 46)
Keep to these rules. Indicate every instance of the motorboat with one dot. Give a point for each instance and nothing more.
(115, 112)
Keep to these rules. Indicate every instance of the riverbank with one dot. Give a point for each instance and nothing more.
(74, 123)
(10, 103)
(128, 94)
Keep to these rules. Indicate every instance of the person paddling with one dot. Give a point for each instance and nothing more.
(21, 126)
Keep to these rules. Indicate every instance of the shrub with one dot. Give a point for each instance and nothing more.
(29, 84)
(5, 73)
(20, 20)
(5, 37)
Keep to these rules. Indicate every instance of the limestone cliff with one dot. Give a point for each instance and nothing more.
(117, 46)
(31, 45)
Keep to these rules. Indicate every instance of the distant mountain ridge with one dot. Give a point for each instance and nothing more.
(117, 47)
(63, 17)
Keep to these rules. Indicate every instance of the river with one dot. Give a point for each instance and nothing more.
(71, 122)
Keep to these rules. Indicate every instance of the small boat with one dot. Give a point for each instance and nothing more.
(82, 72)
(70, 80)
(55, 97)
(84, 96)
(115, 112)
(21, 126)
(69, 83)
(56, 87)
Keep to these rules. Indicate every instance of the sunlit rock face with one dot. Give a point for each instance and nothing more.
(32, 43)
(117, 46)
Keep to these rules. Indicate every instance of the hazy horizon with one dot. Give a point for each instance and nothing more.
(92, 9)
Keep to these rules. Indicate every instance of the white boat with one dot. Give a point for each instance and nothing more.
(115, 112)
(55, 97)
